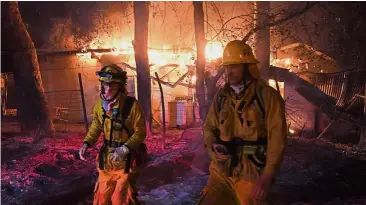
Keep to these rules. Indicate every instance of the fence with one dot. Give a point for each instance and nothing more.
(67, 109)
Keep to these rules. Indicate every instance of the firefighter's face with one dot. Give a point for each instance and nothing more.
(110, 89)
(235, 73)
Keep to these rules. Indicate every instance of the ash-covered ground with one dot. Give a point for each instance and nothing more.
(48, 171)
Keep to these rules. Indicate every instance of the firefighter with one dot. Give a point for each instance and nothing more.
(245, 133)
(121, 119)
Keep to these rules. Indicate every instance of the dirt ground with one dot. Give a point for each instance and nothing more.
(50, 172)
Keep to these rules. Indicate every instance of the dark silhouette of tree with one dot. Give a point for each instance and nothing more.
(141, 14)
(31, 107)
(200, 62)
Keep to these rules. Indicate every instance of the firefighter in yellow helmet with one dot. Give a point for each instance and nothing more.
(245, 133)
(121, 119)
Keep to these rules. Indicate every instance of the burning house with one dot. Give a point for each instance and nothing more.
(109, 39)
(175, 69)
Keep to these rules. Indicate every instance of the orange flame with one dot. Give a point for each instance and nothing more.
(160, 57)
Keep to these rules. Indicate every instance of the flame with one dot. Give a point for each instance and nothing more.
(157, 57)
(213, 50)
(288, 62)
(124, 45)
(194, 79)
(181, 63)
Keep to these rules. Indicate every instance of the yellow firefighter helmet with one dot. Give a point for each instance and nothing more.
(238, 52)
(112, 73)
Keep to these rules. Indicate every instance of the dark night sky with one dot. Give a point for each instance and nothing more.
(38, 16)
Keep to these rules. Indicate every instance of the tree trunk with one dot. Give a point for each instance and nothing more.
(31, 107)
(200, 62)
(262, 37)
(141, 14)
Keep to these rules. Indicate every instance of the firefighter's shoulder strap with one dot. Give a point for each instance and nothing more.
(221, 97)
(127, 106)
(258, 97)
(125, 112)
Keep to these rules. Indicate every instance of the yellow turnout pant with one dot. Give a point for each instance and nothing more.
(116, 188)
(221, 190)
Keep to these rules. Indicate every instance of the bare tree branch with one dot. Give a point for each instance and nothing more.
(308, 6)
(343, 27)
(226, 22)
(217, 11)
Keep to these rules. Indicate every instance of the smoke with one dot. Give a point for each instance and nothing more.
(96, 24)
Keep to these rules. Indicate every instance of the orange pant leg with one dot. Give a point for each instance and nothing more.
(217, 191)
(104, 189)
(243, 190)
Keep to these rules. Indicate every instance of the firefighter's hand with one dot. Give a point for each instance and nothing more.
(120, 153)
(82, 152)
(221, 152)
(261, 188)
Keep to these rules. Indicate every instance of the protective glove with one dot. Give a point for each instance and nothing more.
(83, 151)
(120, 153)
(261, 188)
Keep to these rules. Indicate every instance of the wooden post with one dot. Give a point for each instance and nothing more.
(83, 102)
(162, 102)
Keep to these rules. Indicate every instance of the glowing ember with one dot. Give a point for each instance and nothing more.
(291, 131)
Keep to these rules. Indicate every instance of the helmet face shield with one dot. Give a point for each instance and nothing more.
(107, 75)
(112, 73)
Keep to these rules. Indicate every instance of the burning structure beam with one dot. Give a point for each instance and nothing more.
(178, 82)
